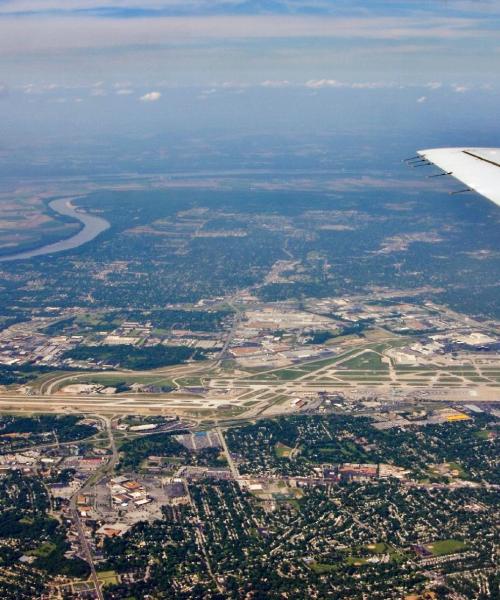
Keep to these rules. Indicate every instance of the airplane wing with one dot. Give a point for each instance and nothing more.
(478, 168)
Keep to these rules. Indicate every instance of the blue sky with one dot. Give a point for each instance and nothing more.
(115, 64)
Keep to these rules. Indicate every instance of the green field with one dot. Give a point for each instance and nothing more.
(284, 374)
(378, 548)
(355, 561)
(458, 467)
(44, 549)
(282, 450)
(321, 568)
(442, 547)
(107, 578)
(366, 361)
(112, 380)
(190, 381)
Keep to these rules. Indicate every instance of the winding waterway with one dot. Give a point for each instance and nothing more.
(92, 227)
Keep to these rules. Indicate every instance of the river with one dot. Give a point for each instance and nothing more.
(92, 227)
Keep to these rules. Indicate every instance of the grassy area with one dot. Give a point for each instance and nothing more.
(282, 450)
(107, 578)
(108, 379)
(280, 400)
(318, 382)
(396, 556)
(324, 362)
(362, 375)
(378, 548)
(355, 561)
(44, 549)
(249, 394)
(365, 361)
(376, 335)
(318, 364)
(222, 413)
(441, 547)
(458, 467)
(322, 568)
(51, 375)
(430, 369)
(307, 367)
(284, 374)
(190, 381)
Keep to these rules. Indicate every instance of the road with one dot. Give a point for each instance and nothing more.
(229, 339)
(200, 537)
(100, 473)
(232, 466)
(86, 550)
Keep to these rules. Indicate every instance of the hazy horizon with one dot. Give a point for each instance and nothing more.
(142, 74)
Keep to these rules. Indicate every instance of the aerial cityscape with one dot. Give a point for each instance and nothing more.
(249, 349)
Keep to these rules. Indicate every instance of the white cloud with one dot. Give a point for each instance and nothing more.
(32, 88)
(275, 83)
(230, 85)
(434, 85)
(371, 85)
(204, 94)
(316, 84)
(460, 88)
(124, 92)
(422, 99)
(150, 97)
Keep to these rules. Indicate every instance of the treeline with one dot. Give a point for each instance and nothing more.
(196, 320)
(41, 428)
(320, 337)
(159, 444)
(19, 374)
(130, 357)
(55, 563)
(59, 326)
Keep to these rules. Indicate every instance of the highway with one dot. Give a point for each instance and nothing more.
(86, 550)
(237, 320)
(232, 466)
(102, 472)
